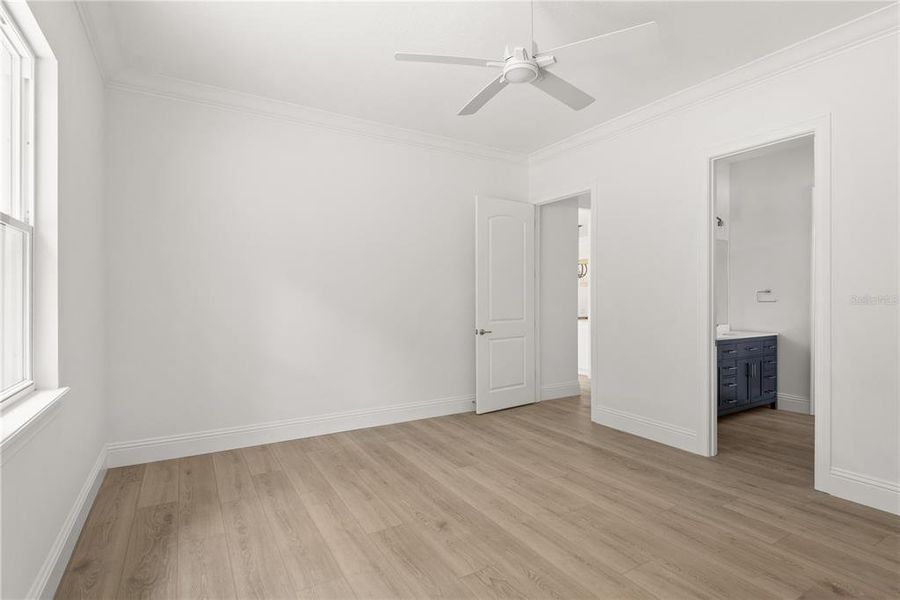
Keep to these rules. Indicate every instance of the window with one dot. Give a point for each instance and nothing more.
(16, 214)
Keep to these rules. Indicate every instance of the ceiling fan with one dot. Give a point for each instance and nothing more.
(520, 66)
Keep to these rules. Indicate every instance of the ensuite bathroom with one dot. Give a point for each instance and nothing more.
(762, 278)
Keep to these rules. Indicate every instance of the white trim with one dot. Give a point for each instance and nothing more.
(538, 361)
(45, 243)
(566, 389)
(54, 566)
(862, 489)
(223, 99)
(17, 41)
(586, 190)
(24, 418)
(90, 31)
(18, 392)
(793, 403)
(651, 429)
(844, 37)
(229, 438)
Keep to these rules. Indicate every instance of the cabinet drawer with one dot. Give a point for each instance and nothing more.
(727, 368)
(750, 348)
(726, 401)
(726, 351)
(769, 365)
(769, 383)
(728, 391)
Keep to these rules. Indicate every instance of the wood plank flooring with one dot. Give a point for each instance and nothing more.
(533, 502)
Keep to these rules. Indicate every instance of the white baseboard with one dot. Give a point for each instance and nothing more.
(54, 566)
(862, 489)
(216, 440)
(664, 433)
(565, 389)
(793, 403)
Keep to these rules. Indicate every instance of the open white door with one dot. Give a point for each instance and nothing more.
(504, 304)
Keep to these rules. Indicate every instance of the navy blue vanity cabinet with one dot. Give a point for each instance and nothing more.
(747, 371)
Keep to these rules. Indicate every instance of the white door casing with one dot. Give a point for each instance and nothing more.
(504, 304)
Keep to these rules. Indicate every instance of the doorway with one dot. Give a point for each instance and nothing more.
(533, 331)
(767, 272)
(564, 297)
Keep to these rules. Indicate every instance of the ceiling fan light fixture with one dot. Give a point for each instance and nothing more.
(520, 72)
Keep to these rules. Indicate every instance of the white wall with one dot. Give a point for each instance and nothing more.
(559, 298)
(770, 226)
(650, 254)
(43, 479)
(262, 270)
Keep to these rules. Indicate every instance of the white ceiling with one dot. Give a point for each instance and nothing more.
(338, 56)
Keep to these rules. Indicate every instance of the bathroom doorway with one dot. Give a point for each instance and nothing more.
(769, 344)
(763, 269)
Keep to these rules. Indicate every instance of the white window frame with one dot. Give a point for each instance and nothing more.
(22, 184)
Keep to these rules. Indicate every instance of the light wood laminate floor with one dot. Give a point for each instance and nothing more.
(533, 502)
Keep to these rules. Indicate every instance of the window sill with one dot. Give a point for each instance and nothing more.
(22, 420)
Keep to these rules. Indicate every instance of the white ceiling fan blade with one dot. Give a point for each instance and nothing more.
(448, 60)
(631, 39)
(480, 99)
(562, 90)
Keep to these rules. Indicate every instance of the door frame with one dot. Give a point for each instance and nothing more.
(591, 190)
(820, 297)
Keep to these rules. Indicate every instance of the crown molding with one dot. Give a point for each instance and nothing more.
(863, 30)
(107, 54)
(90, 32)
(220, 98)
(97, 16)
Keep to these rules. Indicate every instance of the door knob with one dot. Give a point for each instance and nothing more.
(483, 331)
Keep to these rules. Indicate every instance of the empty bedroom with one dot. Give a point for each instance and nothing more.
(496, 299)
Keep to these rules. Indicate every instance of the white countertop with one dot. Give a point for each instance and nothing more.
(739, 335)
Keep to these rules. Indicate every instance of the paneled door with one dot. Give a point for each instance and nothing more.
(504, 304)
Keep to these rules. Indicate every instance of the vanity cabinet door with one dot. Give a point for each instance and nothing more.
(754, 379)
(744, 369)
(749, 380)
